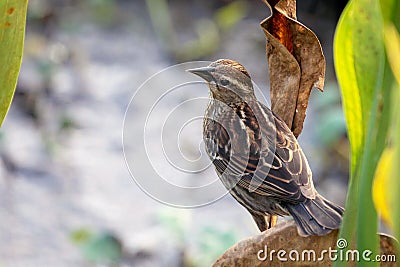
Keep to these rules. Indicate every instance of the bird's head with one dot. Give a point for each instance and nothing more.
(228, 81)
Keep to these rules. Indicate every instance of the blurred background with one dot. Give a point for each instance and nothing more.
(66, 196)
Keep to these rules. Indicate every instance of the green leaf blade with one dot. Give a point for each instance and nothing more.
(12, 32)
(369, 59)
(344, 65)
(360, 66)
(346, 74)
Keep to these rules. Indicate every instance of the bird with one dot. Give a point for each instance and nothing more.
(257, 157)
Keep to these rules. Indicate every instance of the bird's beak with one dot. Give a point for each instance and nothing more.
(204, 72)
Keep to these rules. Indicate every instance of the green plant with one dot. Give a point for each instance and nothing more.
(392, 43)
(367, 85)
(12, 32)
(207, 30)
(99, 247)
(201, 246)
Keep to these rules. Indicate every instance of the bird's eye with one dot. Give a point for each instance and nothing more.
(224, 82)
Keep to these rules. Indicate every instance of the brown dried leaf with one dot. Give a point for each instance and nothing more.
(295, 60)
(284, 236)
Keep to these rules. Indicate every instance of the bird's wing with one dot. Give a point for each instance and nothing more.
(264, 157)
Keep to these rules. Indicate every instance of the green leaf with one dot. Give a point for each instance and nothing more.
(363, 76)
(12, 31)
(369, 59)
(392, 43)
(395, 186)
(344, 65)
(384, 197)
(390, 12)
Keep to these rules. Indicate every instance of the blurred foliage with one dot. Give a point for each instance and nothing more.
(392, 43)
(66, 123)
(12, 32)
(228, 16)
(394, 176)
(80, 236)
(331, 122)
(208, 242)
(102, 11)
(176, 222)
(366, 82)
(207, 30)
(331, 133)
(386, 188)
(381, 194)
(69, 16)
(101, 248)
(212, 243)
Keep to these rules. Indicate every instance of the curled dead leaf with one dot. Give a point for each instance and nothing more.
(295, 60)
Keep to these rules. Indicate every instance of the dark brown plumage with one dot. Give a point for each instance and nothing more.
(257, 157)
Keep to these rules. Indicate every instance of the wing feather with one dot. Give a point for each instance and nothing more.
(264, 157)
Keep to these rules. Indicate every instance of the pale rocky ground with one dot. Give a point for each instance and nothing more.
(53, 182)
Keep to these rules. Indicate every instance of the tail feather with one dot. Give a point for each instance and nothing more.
(316, 216)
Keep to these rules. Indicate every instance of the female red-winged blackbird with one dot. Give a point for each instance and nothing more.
(257, 157)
